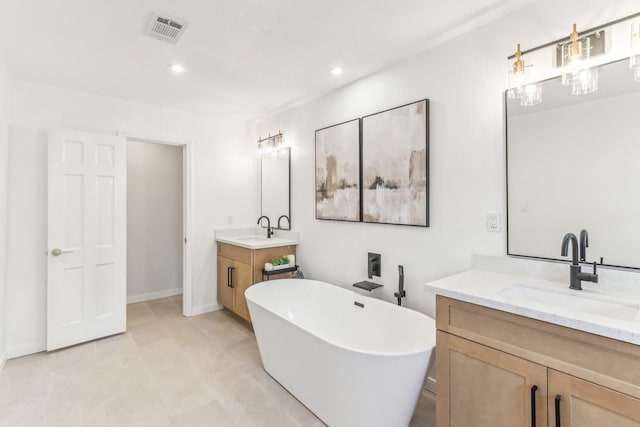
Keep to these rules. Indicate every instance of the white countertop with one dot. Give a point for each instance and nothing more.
(255, 237)
(486, 288)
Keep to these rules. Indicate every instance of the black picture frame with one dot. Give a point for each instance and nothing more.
(395, 165)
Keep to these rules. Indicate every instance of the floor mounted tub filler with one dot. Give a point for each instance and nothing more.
(352, 360)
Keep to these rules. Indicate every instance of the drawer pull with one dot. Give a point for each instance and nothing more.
(558, 399)
(533, 405)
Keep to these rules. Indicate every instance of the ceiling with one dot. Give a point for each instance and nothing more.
(247, 57)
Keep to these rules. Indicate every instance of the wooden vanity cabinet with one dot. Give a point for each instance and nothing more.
(239, 268)
(234, 277)
(495, 367)
(585, 404)
(488, 387)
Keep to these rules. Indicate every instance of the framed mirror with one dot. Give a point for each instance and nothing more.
(275, 184)
(573, 162)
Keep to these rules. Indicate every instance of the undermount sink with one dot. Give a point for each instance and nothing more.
(574, 300)
(251, 238)
(255, 238)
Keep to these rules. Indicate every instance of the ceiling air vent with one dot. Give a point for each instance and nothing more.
(165, 28)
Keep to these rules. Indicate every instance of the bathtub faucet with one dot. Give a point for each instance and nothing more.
(401, 293)
(269, 229)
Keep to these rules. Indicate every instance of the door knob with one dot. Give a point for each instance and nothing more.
(58, 252)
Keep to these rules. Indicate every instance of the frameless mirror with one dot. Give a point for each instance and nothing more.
(275, 170)
(572, 164)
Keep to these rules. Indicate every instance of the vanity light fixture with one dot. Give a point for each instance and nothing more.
(634, 58)
(575, 65)
(528, 93)
(271, 144)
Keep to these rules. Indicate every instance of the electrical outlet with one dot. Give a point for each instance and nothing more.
(230, 220)
(493, 222)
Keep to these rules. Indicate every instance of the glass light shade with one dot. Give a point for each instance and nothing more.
(585, 82)
(513, 93)
(516, 82)
(519, 86)
(531, 94)
(575, 59)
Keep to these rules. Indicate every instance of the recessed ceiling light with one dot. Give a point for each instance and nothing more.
(177, 68)
(336, 71)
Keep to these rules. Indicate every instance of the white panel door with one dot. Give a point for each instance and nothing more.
(86, 282)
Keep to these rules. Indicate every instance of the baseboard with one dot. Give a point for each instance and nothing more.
(431, 385)
(154, 295)
(25, 349)
(205, 309)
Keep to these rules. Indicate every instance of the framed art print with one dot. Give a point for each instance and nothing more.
(338, 172)
(395, 166)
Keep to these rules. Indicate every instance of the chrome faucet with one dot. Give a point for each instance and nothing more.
(288, 221)
(269, 229)
(576, 276)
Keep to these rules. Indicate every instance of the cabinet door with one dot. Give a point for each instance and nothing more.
(225, 292)
(585, 404)
(482, 387)
(241, 280)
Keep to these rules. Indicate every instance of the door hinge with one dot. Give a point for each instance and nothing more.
(185, 240)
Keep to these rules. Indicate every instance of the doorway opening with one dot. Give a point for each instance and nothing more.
(157, 220)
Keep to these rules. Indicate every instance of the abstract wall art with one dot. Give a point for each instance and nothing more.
(338, 172)
(395, 163)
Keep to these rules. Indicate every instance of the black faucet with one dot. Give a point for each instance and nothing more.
(269, 229)
(401, 293)
(576, 276)
(584, 244)
(288, 221)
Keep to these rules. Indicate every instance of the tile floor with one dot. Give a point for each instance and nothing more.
(166, 370)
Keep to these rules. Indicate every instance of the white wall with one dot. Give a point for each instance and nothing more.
(4, 177)
(154, 220)
(464, 80)
(223, 179)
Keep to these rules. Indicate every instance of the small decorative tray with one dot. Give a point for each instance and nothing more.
(280, 270)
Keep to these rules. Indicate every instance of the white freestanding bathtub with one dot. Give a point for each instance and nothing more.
(352, 360)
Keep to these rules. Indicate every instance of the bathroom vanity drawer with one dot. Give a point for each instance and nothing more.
(605, 361)
(237, 253)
